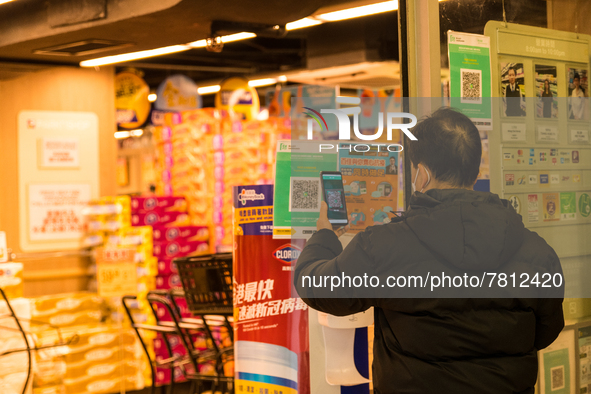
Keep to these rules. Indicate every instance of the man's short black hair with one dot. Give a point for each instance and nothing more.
(449, 144)
(512, 69)
(577, 76)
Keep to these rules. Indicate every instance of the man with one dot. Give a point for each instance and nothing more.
(392, 169)
(443, 345)
(513, 96)
(577, 99)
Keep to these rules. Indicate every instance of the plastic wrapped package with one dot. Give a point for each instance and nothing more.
(47, 306)
(11, 279)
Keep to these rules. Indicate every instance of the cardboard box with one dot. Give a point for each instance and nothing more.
(164, 204)
(163, 219)
(168, 282)
(167, 267)
(170, 250)
(175, 233)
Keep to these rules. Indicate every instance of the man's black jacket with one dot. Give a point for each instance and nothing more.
(444, 345)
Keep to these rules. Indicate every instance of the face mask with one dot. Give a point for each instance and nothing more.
(414, 187)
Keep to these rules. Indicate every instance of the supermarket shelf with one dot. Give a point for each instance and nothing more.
(41, 275)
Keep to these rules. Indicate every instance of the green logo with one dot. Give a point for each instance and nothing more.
(452, 39)
(585, 205)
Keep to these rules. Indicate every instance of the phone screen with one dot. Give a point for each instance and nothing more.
(334, 195)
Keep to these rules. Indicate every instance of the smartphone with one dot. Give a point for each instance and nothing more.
(334, 195)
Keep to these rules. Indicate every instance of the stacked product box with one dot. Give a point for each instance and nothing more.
(70, 314)
(13, 366)
(109, 225)
(240, 156)
(171, 238)
(105, 354)
(175, 242)
(104, 359)
(105, 218)
(140, 239)
(181, 160)
(171, 243)
(201, 156)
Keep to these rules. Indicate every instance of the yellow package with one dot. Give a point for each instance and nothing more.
(11, 279)
(54, 389)
(123, 201)
(144, 253)
(103, 370)
(96, 386)
(139, 235)
(147, 283)
(102, 337)
(85, 318)
(71, 303)
(149, 267)
(49, 370)
(102, 355)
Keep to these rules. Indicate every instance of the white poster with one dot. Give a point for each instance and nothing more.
(55, 211)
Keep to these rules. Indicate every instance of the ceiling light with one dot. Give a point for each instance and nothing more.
(122, 134)
(262, 82)
(198, 44)
(237, 37)
(282, 78)
(5, 1)
(208, 89)
(356, 12)
(125, 57)
(152, 97)
(136, 133)
(301, 23)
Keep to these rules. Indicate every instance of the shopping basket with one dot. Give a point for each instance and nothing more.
(207, 283)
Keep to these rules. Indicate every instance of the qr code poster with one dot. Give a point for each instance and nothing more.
(558, 366)
(470, 77)
(471, 81)
(513, 88)
(304, 194)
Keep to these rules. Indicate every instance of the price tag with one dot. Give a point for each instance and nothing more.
(116, 279)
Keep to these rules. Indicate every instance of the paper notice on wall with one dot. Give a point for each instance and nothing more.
(55, 211)
(60, 152)
(370, 180)
(568, 206)
(533, 210)
(551, 206)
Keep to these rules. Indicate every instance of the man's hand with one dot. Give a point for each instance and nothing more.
(323, 222)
